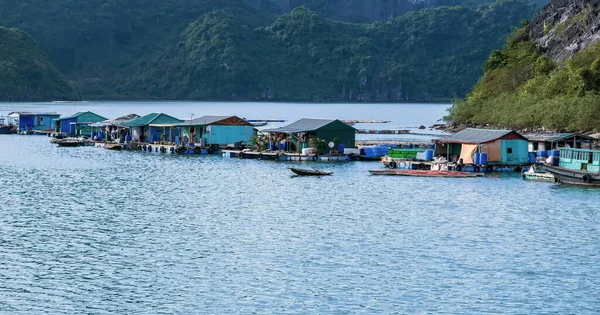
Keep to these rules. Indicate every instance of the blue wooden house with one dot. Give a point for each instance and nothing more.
(504, 147)
(33, 120)
(78, 123)
(154, 127)
(217, 130)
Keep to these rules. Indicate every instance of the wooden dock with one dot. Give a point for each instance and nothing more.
(283, 156)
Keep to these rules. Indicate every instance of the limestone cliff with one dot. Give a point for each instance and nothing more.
(565, 27)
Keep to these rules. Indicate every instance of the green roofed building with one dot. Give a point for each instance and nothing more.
(154, 127)
(217, 130)
(305, 129)
(78, 123)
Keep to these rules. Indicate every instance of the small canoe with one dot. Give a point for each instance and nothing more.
(423, 173)
(309, 172)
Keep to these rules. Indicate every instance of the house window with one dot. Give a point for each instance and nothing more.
(509, 150)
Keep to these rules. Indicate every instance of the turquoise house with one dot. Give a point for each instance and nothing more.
(504, 147)
(78, 123)
(33, 120)
(217, 130)
(302, 131)
(154, 127)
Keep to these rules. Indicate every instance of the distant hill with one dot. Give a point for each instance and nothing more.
(192, 49)
(26, 73)
(424, 55)
(546, 77)
(367, 10)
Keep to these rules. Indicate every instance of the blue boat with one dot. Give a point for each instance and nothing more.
(577, 167)
(4, 130)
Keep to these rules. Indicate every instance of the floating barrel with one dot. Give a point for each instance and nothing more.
(282, 145)
(428, 155)
(128, 138)
(483, 158)
(555, 160)
(477, 158)
(532, 157)
(341, 148)
(553, 153)
(542, 153)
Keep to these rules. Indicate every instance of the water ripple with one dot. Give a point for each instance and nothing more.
(85, 230)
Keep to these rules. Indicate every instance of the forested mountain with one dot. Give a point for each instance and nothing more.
(237, 50)
(547, 76)
(367, 10)
(26, 73)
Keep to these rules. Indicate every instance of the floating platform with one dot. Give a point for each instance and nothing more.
(284, 156)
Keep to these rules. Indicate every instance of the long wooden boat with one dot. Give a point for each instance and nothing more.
(577, 167)
(68, 142)
(424, 173)
(111, 146)
(310, 172)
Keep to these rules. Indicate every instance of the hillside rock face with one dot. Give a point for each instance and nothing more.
(354, 10)
(565, 27)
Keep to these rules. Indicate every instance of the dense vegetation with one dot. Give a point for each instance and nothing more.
(217, 49)
(423, 55)
(26, 73)
(522, 88)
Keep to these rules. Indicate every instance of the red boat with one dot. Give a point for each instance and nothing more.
(422, 173)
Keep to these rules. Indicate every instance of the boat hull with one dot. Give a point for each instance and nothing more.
(305, 172)
(422, 173)
(4, 130)
(574, 177)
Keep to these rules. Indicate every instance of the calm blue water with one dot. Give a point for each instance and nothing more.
(86, 230)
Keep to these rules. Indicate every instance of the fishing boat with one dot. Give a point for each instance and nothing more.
(112, 146)
(310, 172)
(69, 142)
(535, 175)
(424, 173)
(4, 130)
(576, 167)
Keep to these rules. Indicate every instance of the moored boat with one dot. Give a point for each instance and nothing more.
(577, 167)
(425, 173)
(69, 142)
(535, 175)
(4, 130)
(112, 146)
(310, 172)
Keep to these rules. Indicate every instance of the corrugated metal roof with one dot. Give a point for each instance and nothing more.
(35, 113)
(204, 120)
(553, 137)
(153, 118)
(305, 125)
(119, 121)
(88, 116)
(73, 116)
(473, 135)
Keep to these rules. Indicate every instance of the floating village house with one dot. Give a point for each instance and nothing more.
(553, 141)
(33, 120)
(504, 147)
(217, 130)
(113, 129)
(78, 123)
(305, 129)
(154, 127)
